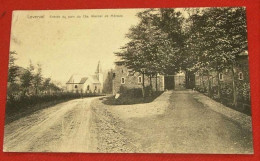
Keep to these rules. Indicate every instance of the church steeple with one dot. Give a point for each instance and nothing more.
(99, 75)
(99, 70)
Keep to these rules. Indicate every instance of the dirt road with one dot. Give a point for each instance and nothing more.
(175, 122)
(62, 128)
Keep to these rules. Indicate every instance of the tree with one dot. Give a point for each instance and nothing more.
(235, 42)
(27, 79)
(108, 84)
(54, 87)
(164, 42)
(217, 37)
(13, 87)
(37, 79)
(12, 74)
(172, 23)
(46, 85)
(151, 50)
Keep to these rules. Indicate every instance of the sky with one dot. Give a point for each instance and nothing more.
(66, 45)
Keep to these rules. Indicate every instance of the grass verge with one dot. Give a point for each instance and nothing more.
(125, 99)
(13, 113)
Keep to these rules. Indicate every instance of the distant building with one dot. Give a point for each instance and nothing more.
(124, 77)
(225, 78)
(86, 83)
(240, 70)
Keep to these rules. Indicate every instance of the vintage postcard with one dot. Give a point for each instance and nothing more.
(172, 80)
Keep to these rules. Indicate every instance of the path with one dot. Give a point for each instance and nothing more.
(175, 122)
(180, 122)
(62, 128)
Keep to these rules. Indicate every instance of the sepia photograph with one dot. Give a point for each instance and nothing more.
(154, 80)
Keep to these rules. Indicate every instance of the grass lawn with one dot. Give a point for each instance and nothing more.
(125, 99)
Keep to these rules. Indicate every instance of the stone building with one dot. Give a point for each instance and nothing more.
(241, 73)
(86, 83)
(124, 77)
(185, 80)
(241, 78)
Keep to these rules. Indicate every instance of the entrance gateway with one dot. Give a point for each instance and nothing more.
(179, 81)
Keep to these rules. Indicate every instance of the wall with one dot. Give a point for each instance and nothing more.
(83, 87)
(226, 82)
(131, 79)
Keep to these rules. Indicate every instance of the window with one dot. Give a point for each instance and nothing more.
(220, 76)
(88, 87)
(140, 79)
(76, 86)
(130, 73)
(123, 80)
(240, 76)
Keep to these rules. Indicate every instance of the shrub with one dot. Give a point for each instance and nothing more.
(26, 101)
(134, 92)
(244, 92)
(122, 89)
(200, 89)
(148, 91)
(226, 91)
(214, 90)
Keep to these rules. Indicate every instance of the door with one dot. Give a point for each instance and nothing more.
(169, 82)
(179, 82)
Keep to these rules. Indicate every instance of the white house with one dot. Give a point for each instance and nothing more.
(86, 83)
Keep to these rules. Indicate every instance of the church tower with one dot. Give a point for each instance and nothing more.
(99, 75)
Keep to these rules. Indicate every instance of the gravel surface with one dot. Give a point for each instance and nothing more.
(62, 128)
(109, 132)
(175, 122)
(242, 119)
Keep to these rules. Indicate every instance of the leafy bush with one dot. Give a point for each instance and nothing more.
(122, 89)
(214, 89)
(25, 101)
(200, 89)
(148, 91)
(244, 92)
(226, 91)
(133, 92)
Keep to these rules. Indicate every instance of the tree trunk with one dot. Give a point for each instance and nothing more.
(203, 83)
(151, 85)
(234, 87)
(186, 79)
(156, 86)
(173, 82)
(201, 80)
(219, 85)
(27, 91)
(36, 90)
(209, 85)
(143, 85)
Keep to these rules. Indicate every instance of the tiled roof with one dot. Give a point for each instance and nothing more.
(79, 79)
(83, 80)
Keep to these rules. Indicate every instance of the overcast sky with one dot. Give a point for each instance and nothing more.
(66, 46)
